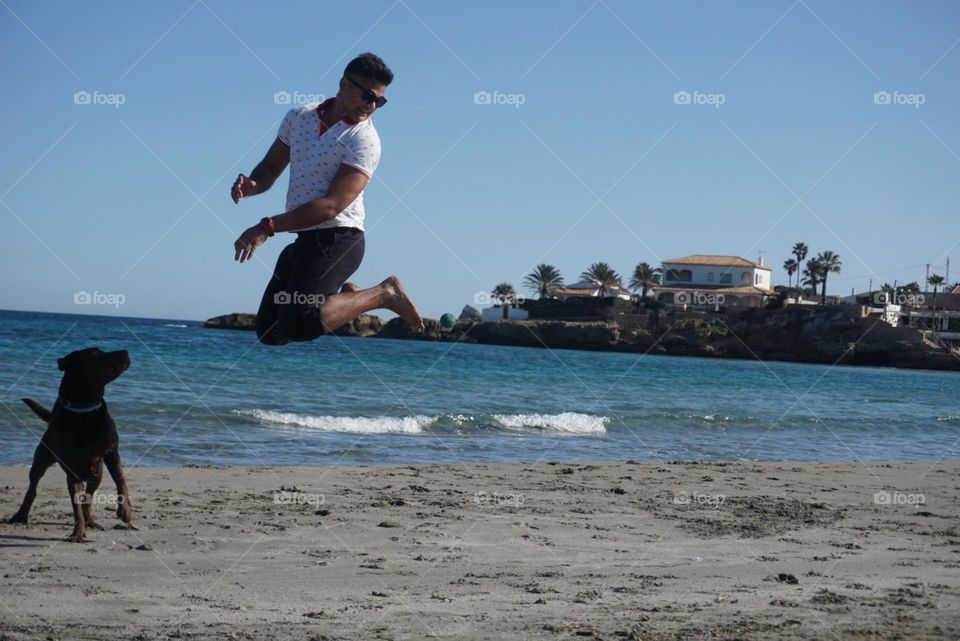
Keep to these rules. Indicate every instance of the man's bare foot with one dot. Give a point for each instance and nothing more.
(402, 305)
(350, 287)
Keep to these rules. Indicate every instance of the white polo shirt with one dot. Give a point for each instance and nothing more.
(316, 153)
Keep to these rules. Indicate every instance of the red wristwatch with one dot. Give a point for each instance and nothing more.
(266, 224)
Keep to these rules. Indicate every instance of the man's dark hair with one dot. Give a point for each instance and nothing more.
(370, 66)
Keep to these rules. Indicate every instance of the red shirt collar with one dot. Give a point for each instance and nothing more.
(322, 107)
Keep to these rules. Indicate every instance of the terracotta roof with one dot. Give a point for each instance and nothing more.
(710, 259)
(566, 291)
(586, 288)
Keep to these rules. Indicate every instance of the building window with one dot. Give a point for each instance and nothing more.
(726, 279)
(745, 278)
(709, 277)
(680, 275)
(756, 279)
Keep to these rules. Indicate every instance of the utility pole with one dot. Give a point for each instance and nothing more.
(947, 281)
(927, 278)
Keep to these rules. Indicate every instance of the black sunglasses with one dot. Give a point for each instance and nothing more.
(368, 96)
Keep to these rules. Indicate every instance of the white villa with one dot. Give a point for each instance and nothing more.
(705, 279)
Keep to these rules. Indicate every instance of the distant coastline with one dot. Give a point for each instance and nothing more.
(831, 335)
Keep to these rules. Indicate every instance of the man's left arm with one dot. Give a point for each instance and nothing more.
(346, 185)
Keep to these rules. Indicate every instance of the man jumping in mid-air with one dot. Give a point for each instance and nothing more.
(333, 150)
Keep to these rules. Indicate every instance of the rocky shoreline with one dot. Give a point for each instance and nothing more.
(830, 335)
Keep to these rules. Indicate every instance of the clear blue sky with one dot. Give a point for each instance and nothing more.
(598, 163)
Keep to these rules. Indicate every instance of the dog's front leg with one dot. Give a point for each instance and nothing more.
(115, 467)
(78, 498)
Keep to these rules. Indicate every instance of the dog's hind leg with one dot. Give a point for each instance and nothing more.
(92, 486)
(42, 460)
(115, 467)
(77, 498)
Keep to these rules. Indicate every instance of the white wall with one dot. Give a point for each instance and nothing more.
(712, 274)
(495, 313)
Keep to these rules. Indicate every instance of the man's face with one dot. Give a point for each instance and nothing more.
(354, 97)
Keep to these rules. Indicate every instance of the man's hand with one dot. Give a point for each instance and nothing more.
(248, 242)
(243, 187)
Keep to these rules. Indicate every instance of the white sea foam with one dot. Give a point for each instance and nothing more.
(567, 422)
(359, 425)
(173, 325)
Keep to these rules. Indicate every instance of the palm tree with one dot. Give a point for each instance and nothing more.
(936, 280)
(829, 264)
(800, 251)
(603, 276)
(542, 279)
(911, 288)
(791, 266)
(505, 295)
(811, 275)
(644, 277)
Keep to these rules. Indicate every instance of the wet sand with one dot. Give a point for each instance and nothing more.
(514, 551)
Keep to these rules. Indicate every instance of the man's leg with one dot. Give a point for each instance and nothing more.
(340, 309)
(267, 316)
(321, 267)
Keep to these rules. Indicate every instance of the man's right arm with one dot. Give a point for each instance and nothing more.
(264, 174)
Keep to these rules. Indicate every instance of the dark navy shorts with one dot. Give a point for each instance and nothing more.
(315, 265)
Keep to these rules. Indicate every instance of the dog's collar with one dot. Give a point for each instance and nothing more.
(80, 408)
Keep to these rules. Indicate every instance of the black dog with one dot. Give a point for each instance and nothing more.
(81, 436)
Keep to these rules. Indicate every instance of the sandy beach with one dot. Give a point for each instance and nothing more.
(513, 551)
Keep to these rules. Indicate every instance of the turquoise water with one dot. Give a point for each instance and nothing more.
(203, 396)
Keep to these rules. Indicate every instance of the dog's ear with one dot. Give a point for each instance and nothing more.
(62, 363)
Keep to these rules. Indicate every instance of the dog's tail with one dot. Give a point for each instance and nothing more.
(38, 409)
